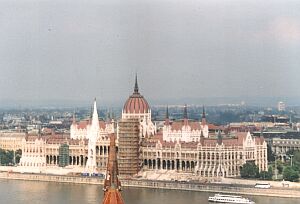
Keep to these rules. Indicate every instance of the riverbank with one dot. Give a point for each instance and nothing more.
(171, 185)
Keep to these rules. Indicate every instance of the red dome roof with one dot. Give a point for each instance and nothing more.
(136, 103)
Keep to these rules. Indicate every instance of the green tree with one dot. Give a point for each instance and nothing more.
(249, 170)
(6, 157)
(279, 166)
(290, 174)
(296, 158)
(18, 155)
(266, 175)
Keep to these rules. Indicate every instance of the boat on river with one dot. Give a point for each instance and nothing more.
(220, 198)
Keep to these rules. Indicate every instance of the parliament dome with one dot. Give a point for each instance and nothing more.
(136, 103)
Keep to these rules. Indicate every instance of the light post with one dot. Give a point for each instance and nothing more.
(14, 159)
(291, 159)
(275, 168)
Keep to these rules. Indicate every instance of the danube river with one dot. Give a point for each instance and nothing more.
(31, 192)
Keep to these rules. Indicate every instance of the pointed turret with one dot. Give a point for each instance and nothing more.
(167, 119)
(185, 115)
(95, 118)
(136, 87)
(112, 185)
(203, 120)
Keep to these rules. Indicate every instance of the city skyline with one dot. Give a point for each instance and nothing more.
(184, 52)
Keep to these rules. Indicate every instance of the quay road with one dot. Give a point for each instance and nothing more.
(172, 185)
(215, 187)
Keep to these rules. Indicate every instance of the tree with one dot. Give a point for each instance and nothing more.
(290, 174)
(249, 170)
(296, 158)
(279, 166)
(266, 175)
(18, 155)
(6, 157)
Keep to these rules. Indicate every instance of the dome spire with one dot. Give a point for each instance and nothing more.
(136, 87)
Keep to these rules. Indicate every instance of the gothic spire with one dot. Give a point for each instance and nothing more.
(185, 116)
(136, 87)
(167, 120)
(95, 119)
(167, 112)
(203, 121)
(203, 112)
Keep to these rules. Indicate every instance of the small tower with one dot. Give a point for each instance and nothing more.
(112, 185)
(203, 120)
(185, 115)
(167, 119)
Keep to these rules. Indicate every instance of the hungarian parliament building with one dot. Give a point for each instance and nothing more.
(184, 146)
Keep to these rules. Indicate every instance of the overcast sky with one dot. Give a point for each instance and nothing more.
(77, 50)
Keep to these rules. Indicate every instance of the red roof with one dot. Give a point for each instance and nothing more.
(112, 196)
(236, 141)
(84, 123)
(136, 103)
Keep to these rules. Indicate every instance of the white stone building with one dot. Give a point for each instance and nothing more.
(185, 130)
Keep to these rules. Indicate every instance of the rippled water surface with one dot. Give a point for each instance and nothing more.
(29, 192)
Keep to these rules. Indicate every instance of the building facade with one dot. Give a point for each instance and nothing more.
(183, 146)
(210, 157)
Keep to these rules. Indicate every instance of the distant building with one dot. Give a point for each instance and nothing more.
(284, 147)
(11, 140)
(281, 106)
(33, 152)
(209, 157)
(185, 130)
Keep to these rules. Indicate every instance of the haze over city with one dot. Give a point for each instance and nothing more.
(72, 51)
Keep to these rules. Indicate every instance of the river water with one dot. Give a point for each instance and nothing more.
(30, 192)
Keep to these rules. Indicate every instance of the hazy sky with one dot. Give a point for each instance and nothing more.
(77, 50)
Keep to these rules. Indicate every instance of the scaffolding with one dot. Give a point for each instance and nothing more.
(129, 147)
(63, 155)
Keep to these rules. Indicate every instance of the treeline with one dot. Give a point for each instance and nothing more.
(288, 170)
(9, 158)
